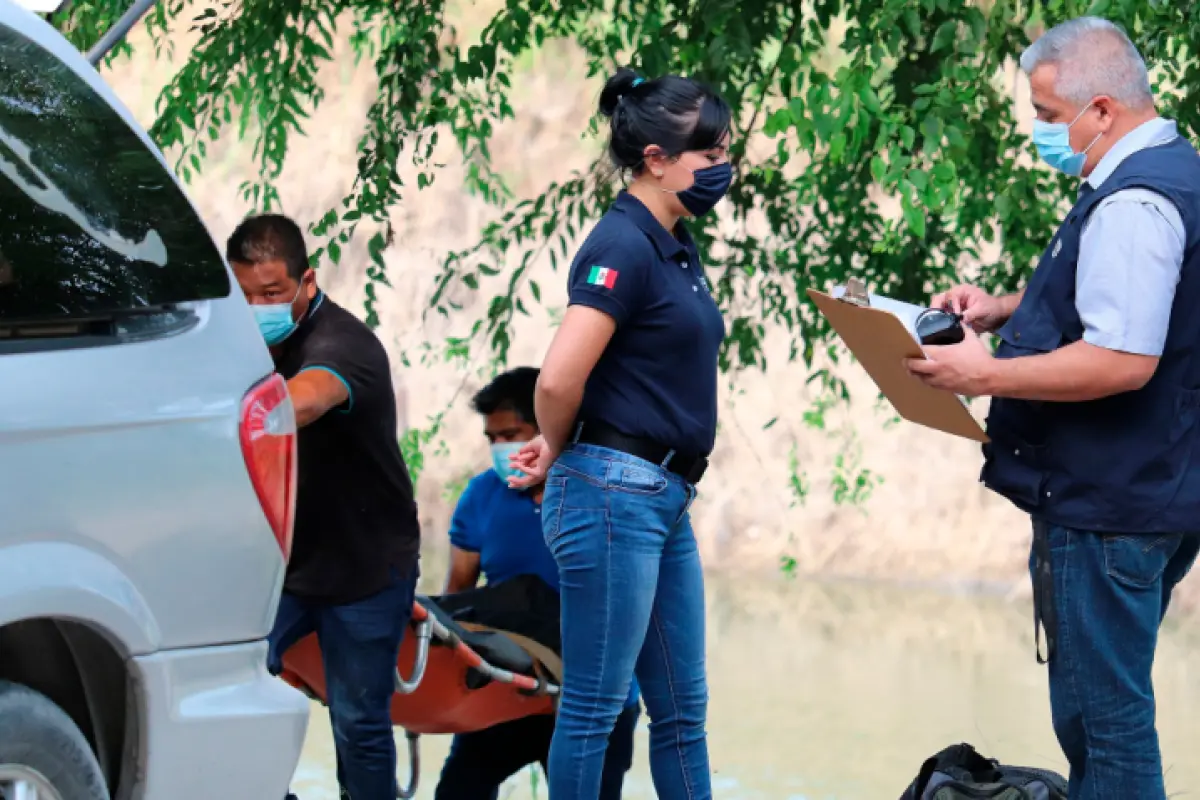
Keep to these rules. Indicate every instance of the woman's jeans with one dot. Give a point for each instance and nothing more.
(632, 599)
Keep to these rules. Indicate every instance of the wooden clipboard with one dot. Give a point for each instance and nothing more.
(880, 342)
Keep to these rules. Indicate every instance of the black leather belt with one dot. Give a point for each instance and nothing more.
(689, 467)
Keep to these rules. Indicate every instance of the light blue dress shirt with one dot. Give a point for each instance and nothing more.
(1130, 255)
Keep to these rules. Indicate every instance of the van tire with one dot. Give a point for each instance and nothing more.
(37, 734)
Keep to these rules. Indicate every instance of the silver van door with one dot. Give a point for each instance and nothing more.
(126, 353)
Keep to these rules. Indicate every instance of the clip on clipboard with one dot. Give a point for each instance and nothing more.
(880, 340)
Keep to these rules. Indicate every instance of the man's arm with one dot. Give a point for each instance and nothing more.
(314, 392)
(1009, 303)
(1130, 257)
(465, 542)
(464, 571)
(1072, 374)
(980, 310)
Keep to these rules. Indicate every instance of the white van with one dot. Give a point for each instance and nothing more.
(147, 465)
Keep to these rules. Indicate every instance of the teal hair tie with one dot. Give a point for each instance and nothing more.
(637, 82)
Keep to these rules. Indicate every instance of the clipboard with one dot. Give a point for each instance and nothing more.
(881, 342)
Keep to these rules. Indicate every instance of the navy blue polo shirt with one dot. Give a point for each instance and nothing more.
(504, 527)
(657, 379)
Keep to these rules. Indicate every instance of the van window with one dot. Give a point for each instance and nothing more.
(91, 222)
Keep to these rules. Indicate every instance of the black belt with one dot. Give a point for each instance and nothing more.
(689, 467)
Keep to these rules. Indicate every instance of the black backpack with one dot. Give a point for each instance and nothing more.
(960, 773)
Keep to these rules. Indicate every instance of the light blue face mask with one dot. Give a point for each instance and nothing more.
(275, 321)
(1053, 141)
(500, 453)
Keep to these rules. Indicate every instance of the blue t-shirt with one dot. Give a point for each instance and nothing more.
(504, 527)
(657, 378)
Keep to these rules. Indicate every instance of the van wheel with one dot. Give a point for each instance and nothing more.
(43, 755)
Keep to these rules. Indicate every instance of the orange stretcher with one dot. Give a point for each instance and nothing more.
(463, 678)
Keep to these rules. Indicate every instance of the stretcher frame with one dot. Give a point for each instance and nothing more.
(426, 632)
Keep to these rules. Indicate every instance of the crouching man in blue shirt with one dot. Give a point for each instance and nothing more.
(496, 532)
(1095, 417)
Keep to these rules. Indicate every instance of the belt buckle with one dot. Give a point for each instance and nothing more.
(697, 470)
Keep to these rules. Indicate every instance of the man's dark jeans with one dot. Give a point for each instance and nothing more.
(479, 762)
(360, 643)
(1110, 595)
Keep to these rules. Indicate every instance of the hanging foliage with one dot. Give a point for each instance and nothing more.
(868, 105)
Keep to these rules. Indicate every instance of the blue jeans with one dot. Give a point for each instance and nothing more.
(480, 761)
(360, 643)
(632, 599)
(1110, 595)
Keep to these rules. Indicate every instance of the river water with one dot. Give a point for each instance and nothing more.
(839, 691)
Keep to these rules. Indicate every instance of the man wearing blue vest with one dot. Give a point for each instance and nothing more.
(1095, 417)
(496, 531)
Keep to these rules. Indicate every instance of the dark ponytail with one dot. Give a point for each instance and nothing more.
(618, 86)
(675, 113)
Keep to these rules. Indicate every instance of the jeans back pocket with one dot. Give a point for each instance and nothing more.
(1139, 561)
(634, 479)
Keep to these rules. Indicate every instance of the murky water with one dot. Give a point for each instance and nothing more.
(826, 691)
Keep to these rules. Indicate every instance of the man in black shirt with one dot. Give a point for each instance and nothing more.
(353, 567)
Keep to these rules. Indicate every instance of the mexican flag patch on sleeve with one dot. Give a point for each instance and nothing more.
(602, 276)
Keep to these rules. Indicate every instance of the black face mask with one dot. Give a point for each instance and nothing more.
(708, 187)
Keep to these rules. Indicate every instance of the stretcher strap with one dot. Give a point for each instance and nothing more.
(541, 654)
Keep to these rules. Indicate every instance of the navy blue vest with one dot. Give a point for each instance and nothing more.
(1129, 463)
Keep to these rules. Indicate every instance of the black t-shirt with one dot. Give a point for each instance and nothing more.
(657, 379)
(356, 519)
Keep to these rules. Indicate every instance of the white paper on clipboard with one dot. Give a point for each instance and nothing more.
(907, 313)
(881, 335)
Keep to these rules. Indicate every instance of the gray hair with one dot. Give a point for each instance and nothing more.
(1093, 57)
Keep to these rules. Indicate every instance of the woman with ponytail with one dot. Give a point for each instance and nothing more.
(627, 405)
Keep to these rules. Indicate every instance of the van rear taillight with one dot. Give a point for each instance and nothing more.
(268, 434)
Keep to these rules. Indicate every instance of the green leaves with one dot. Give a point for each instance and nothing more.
(914, 214)
(944, 37)
(875, 139)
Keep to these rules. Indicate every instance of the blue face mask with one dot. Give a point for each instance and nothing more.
(500, 453)
(1053, 142)
(709, 186)
(275, 321)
